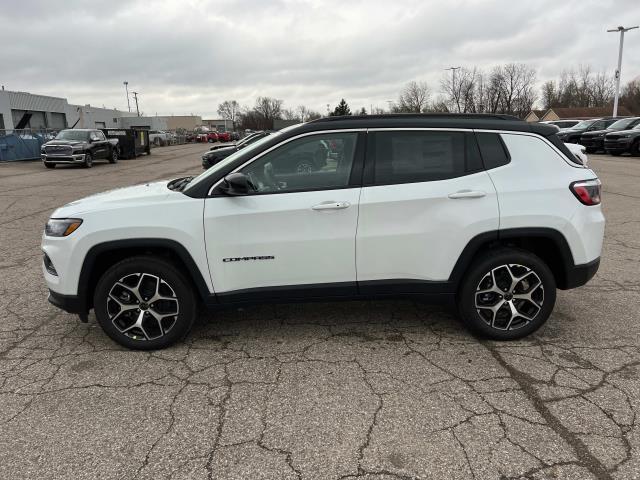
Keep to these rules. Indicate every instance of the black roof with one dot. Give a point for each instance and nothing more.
(432, 120)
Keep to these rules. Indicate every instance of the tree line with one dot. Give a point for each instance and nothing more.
(508, 89)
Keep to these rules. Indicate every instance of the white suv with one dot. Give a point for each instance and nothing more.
(487, 212)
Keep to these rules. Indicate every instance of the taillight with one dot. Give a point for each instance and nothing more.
(587, 191)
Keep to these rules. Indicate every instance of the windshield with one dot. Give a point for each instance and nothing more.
(231, 158)
(584, 124)
(623, 124)
(73, 135)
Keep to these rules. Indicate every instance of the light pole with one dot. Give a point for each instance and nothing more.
(126, 89)
(453, 84)
(390, 105)
(135, 97)
(622, 31)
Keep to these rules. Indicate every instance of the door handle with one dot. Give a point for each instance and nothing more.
(331, 206)
(467, 194)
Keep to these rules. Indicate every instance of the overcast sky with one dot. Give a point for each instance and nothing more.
(188, 56)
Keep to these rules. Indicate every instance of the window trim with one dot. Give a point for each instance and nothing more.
(355, 177)
(369, 165)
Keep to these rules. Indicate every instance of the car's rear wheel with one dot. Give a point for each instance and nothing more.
(635, 148)
(114, 156)
(615, 154)
(507, 294)
(144, 303)
(590, 149)
(88, 160)
(49, 165)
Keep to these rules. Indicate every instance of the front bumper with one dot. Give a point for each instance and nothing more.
(592, 142)
(618, 145)
(75, 158)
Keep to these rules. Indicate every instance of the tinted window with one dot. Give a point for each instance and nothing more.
(493, 151)
(599, 125)
(421, 156)
(315, 162)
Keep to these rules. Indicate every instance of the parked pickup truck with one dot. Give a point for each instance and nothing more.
(79, 147)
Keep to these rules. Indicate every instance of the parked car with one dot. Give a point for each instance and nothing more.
(573, 134)
(494, 229)
(79, 147)
(212, 137)
(235, 136)
(159, 138)
(594, 140)
(626, 141)
(224, 136)
(214, 156)
(562, 123)
(248, 139)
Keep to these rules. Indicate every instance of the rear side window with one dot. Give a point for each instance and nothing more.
(493, 150)
(420, 156)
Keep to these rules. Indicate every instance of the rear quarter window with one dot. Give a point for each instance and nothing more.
(493, 150)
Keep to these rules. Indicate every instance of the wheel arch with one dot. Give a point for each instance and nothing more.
(547, 243)
(102, 256)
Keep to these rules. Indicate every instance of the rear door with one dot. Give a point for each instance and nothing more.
(425, 196)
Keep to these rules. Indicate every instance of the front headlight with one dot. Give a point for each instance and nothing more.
(61, 227)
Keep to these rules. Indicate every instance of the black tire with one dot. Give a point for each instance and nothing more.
(114, 156)
(590, 149)
(143, 269)
(478, 278)
(615, 154)
(88, 160)
(49, 165)
(635, 148)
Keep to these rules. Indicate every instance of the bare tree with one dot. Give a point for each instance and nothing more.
(290, 114)
(581, 88)
(630, 97)
(229, 110)
(269, 109)
(414, 97)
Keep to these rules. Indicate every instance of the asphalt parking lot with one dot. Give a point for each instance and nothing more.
(316, 391)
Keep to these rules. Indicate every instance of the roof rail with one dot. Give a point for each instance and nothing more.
(477, 116)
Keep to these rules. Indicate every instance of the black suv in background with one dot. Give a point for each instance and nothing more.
(218, 153)
(594, 140)
(626, 141)
(573, 134)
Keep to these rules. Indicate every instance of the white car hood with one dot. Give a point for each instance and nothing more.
(139, 194)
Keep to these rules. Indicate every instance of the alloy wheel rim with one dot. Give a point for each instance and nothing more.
(142, 306)
(509, 297)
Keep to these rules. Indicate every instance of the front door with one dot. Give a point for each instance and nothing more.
(295, 235)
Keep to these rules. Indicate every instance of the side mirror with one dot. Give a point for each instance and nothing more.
(237, 184)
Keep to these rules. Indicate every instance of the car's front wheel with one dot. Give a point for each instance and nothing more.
(114, 156)
(507, 294)
(88, 160)
(144, 303)
(49, 165)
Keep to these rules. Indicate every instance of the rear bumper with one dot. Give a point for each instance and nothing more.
(579, 275)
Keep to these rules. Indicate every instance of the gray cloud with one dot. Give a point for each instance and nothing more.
(188, 56)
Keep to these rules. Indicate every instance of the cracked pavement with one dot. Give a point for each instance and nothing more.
(368, 390)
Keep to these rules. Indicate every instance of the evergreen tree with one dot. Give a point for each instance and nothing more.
(341, 109)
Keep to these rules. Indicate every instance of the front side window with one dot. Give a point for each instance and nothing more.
(314, 162)
(422, 156)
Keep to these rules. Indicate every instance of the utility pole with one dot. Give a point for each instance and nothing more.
(622, 31)
(453, 84)
(126, 89)
(135, 97)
